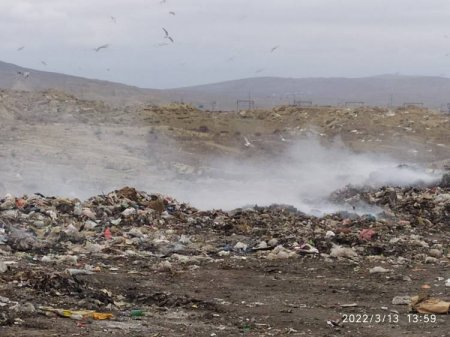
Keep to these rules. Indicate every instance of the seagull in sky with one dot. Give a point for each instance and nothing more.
(104, 46)
(166, 35)
(274, 48)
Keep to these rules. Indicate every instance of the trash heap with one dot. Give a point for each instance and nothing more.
(49, 245)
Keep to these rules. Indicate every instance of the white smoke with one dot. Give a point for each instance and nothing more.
(303, 176)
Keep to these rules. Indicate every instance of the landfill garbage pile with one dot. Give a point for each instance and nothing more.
(51, 246)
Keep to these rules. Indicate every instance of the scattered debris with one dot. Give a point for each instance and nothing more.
(401, 300)
(378, 269)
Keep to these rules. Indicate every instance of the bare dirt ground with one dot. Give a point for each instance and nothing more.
(78, 149)
(251, 298)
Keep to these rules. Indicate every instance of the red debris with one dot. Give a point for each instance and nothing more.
(20, 203)
(366, 234)
(108, 235)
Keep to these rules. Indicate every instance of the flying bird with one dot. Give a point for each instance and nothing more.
(259, 71)
(166, 35)
(44, 63)
(20, 48)
(274, 48)
(104, 46)
(172, 13)
(162, 2)
(283, 139)
(247, 143)
(113, 18)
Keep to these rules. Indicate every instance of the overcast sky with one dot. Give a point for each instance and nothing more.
(217, 40)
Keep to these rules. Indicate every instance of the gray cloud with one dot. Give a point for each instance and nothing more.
(316, 38)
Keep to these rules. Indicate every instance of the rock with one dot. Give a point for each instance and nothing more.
(401, 300)
(437, 253)
(447, 283)
(27, 308)
(272, 242)
(378, 269)
(431, 260)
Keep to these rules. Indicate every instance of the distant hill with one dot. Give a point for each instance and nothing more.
(378, 90)
(382, 90)
(83, 88)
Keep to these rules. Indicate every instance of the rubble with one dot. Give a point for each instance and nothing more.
(58, 247)
(128, 220)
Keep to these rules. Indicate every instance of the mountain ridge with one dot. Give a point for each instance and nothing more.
(267, 91)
